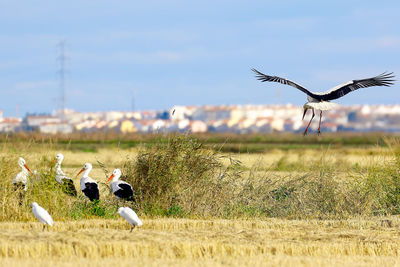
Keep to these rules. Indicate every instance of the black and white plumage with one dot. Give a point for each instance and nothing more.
(62, 178)
(121, 189)
(21, 179)
(131, 216)
(89, 187)
(42, 215)
(321, 101)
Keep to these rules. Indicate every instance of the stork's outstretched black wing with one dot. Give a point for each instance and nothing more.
(384, 79)
(266, 78)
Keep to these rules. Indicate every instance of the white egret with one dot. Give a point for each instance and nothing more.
(131, 216)
(42, 215)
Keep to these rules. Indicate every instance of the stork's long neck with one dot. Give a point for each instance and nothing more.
(58, 165)
(23, 169)
(115, 178)
(86, 172)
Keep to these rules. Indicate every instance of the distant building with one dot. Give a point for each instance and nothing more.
(55, 127)
(36, 121)
(9, 125)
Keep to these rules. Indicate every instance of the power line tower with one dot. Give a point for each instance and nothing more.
(61, 71)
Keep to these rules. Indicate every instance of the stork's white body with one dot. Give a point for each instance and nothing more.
(121, 189)
(42, 215)
(89, 187)
(130, 216)
(319, 105)
(86, 179)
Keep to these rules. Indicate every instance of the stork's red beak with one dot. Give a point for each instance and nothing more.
(52, 163)
(304, 114)
(80, 171)
(27, 168)
(109, 179)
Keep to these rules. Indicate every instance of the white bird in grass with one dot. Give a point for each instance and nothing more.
(42, 215)
(120, 189)
(89, 187)
(21, 179)
(62, 178)
(131, 216)
(320, 101)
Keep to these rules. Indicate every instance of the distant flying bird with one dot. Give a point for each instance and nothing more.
(320, 101)
(89, 187)
(21, 179)
(62, 178)
(42, 215)
(131, 216)
(120, 189)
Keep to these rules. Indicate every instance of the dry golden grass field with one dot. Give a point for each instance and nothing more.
(285, 207)
(183, 242)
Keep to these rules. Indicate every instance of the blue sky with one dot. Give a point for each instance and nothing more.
(192, 53)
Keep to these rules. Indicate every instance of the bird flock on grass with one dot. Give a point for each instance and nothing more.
(89, 187)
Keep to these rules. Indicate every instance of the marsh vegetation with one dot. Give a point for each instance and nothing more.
(326, 203)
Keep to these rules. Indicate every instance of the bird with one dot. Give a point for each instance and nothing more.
(131, 216)
(120, 189)
(89, 187)
(62, 178)
(321, 101)
(42, 215)
(21, 179)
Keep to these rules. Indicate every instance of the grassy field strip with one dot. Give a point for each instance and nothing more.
(216, 240)
(244, 261)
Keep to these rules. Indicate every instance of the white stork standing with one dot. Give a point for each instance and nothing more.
(42, 215)
(89, 187)
(321, 101)
(131, 216)
(21, 179)
(120, 189)
(62, 178)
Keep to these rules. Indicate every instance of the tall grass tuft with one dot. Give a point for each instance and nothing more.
(177, 176)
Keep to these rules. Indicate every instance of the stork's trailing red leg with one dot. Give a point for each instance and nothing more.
(319, 126)
(312, 117)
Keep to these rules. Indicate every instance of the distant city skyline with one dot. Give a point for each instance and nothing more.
(176, 52)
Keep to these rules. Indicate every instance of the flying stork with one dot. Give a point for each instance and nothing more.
(89, 187)
(42, 215)
(131, 216)
(62, 178)
(120, 189)
(321, 101)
